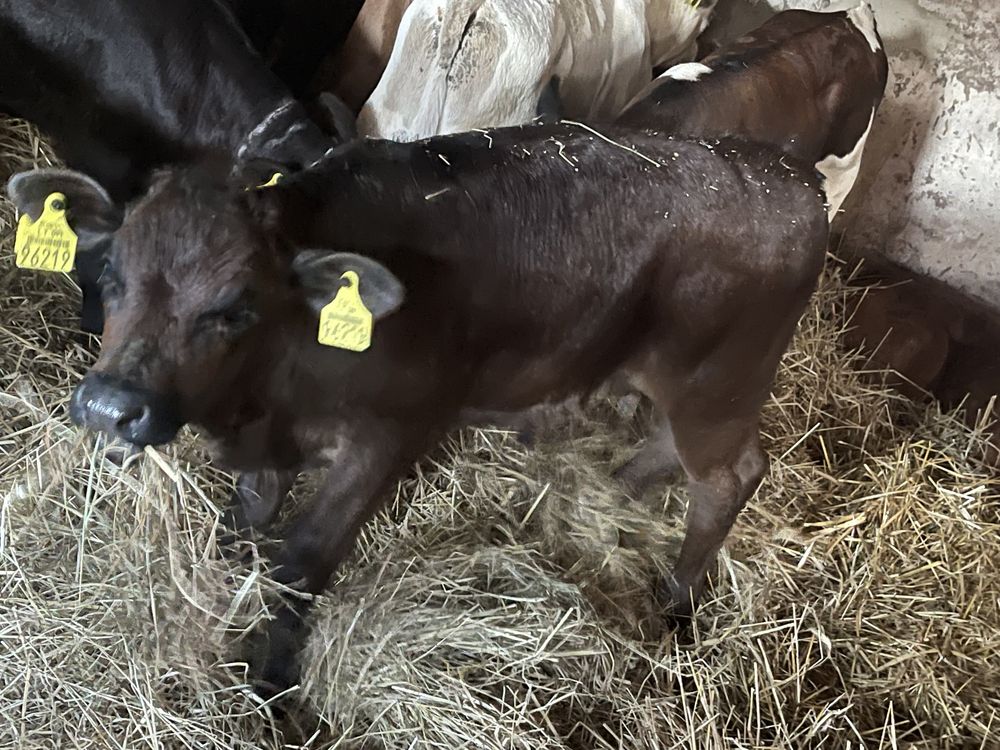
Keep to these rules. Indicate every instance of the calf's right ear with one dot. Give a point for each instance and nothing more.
(89, 209)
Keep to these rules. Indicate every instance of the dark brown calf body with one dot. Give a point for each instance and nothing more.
(537, 262)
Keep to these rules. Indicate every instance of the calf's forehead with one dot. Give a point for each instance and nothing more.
(189, 234)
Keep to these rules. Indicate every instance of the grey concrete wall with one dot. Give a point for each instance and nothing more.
(929, 193)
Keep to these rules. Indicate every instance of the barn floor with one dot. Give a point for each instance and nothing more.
(502, 600)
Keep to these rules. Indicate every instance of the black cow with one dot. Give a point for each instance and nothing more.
(296, 36)
(125, 86)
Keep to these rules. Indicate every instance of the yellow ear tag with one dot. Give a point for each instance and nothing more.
(275, 179)
(47, 244)
(346, 323)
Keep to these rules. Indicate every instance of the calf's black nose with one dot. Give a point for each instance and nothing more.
(119, 408)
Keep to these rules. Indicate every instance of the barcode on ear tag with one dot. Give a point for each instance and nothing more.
(346, 323)
(47, 244)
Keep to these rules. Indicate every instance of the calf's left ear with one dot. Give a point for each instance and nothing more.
(320, 274)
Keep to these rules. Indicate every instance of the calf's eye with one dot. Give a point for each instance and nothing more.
(227, 321)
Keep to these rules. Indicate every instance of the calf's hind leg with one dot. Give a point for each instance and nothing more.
(655, 461)
(709, 426)
(725, 465)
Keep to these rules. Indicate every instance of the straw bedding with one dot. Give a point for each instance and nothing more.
(502, 599)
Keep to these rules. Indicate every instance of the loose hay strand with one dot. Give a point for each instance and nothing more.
(502, 598)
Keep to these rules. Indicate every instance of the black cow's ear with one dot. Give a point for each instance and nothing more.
(320, 273)
(89, 209)
(336, 118)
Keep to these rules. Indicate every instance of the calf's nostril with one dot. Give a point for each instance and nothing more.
(132, 416)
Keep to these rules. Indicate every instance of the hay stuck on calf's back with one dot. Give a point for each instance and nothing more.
(501, 599)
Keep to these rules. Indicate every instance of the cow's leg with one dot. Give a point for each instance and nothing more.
(656, 460)
(522, 423)
(725, 465)
(89, 266)
(712, 406)
(322, 535)
(256, 501)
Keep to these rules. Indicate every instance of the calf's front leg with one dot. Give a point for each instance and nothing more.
(256, 501)
(321, 536)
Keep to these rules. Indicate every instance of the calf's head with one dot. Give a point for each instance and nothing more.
(201, 296)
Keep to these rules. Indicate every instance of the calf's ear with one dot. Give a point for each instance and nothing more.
(320, 271)
(89, 209)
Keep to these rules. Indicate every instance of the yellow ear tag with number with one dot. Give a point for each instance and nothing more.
(346, 323)
(47, 244)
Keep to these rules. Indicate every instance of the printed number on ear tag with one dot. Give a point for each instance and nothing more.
(346, 323)
(47, 244)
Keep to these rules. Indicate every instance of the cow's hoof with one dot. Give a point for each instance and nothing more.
(676, 607)
(233, 540)
(526, 437)
(274, 653)
(272, 673)
(632, 489)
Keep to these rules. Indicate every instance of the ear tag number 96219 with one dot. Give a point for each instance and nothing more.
(346, 323)
(47, 244)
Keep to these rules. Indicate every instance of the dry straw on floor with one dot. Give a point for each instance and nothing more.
(502, 600)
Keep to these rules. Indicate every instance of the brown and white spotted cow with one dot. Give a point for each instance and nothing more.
(807, 83)
(354, 72)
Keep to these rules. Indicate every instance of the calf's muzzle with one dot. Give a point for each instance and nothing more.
(117, 407)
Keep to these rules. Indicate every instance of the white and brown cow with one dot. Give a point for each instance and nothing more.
(807, 83)
(458, 65)
(355, 70)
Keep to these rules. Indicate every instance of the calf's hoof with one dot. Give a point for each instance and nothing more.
(274, 653)
(626, 477)
(233, 538)
(677, 605)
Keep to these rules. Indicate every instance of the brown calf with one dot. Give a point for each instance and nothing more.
(934, 339)
(806, 83)
(503, 269)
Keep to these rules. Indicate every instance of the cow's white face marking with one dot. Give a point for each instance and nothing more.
(690, 71)
(840, 172)
(863, 18)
